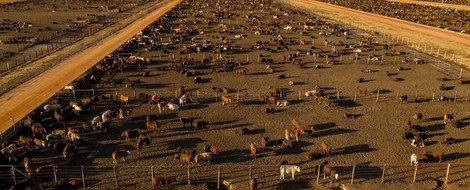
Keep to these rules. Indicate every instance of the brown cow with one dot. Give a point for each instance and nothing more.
(417, 117)
(226, 100)
(124, 99)
(240, 71)
(362, 89)
(151, 125)
(326, 149)
(253, 151)
(164, 181)
(434, 155)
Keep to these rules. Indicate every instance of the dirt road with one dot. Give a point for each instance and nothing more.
(434, 4)
(445, 40)
(23, 99)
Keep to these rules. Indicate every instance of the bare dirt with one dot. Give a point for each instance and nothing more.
(434, 4)
(372, 139)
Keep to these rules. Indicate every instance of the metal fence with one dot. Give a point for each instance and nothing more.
(99, 177)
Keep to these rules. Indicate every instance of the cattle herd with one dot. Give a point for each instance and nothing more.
(216, 83)
(451, 19)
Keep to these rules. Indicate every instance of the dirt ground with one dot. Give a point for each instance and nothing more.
(434, 4)
(370, 140)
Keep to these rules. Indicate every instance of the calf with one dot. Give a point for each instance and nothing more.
(282, 103)
(253, 151)
(286, 169)
(434, 155)
(120, 154)
(185, 120)
(212, 149)
(143, 140)
(240, 71)
(417, 143)
(331, 173)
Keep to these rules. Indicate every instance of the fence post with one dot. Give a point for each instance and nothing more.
(135, 94)
(414, 175)
(115, 91)
(189, 180)
(238, 95)
(218, 177)
(340, 59)
(115, 176)
(14, 174)
(337, 95)
(300, 95)
(353, 172)
(355, 95)
(433, 96)
(460, 75)
(378, 94)
(318, 174)
(176, 93)
(8, 66)
(455, 96)
(83, 178)
(383, 174)
(447, 174)
(54, 170)
(398, 94)
(251, 172)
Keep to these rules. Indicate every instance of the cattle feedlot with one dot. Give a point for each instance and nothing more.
(241, 94)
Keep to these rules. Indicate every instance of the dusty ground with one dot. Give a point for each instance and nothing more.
(370, 140)
(401, 31)
(434, 4)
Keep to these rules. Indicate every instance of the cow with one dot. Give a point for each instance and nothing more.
(185, 120)
(291, 133)
(253, 151)
(120, 154)
(124, 99)
(288, 169)
(151, 125)
(204, 156)
(240, 71)
(326, 149)
(362, 89)
(185, 158)
(414, 159)
(200, 124)
(265, 142)
(163, 181)
(448, 117)
(330, 173)
(434, 155)
(128, 134)
(212, 149)
(402, 99)
(417, 117)
(448, 141)
(183, 100)
(172, 106)
(226, 100)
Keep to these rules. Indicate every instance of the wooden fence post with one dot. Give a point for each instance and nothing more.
(318, 174)
(447, 174)
(115, 176)
(383, 174)
(340, 58)
(83, 178)
(135, 94)
(416, 95)
(176, 93)
(414, 175)
(433, 96)
(378, 94)
(460, 75)
(466, 97)
(382, 60)
(218, 177)
(189, 179)
(251, 172)
(353, 172)
(14, 174)
(398, 94)
(355, 95)
(54, 170)
(238, 95)
(300, 95)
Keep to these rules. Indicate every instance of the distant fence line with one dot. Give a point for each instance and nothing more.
(120, 176)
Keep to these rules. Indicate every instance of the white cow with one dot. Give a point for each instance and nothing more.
(95, 122)
(51, 107)
(77, 109)
(105, 116)
(183, 99)
(414, 159)
(286, 169)
(282, 103)
(173, 106)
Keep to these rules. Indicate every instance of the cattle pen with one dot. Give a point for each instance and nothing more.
(129, 177)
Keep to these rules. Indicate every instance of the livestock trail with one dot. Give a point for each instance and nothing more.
(452, 42)
(23, 99)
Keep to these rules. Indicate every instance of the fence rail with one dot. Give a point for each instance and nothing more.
(213, 175)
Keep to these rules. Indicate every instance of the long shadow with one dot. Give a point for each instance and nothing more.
(461, 140)
(153, 85)
(194, 106)
(436, 134)
(296, 148)
(293, 102)
(257, 131)
(292, 184)
(336, 131)
(433, 119)
(435, 127)
(324, 126)
(382, 91)
(184, 143)
(361, 148)
(229, 127)
(348, 103)
(223, 122)
(456, 155)
(260, 73)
